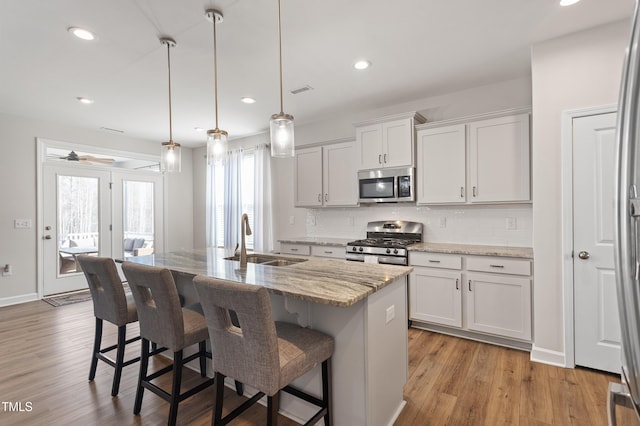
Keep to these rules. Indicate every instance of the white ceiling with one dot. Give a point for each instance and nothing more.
(419, 48)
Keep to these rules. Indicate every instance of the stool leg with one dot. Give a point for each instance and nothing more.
(327, 391)
(239, 388)
(203, 358)
(175, 388)
(217, 408)
(273, 404)
(122, 339)
(144, 364)
(97, 341)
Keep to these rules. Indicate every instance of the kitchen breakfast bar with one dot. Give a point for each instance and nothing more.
(363, 306)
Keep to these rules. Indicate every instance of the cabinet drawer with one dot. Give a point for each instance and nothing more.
(328, 251)
(435, 260)
(499, 265)
(301, 249)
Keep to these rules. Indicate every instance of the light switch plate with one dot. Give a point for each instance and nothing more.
(22, 223)
(512, 223)
(443, 222)
(391, 314)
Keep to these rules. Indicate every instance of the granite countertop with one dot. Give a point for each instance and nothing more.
(321, 241)
(481, 250)
(330, 281)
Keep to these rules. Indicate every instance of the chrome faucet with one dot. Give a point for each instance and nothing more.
(245, 230)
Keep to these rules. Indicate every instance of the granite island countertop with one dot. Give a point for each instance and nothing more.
(471, 249)
(321, 280)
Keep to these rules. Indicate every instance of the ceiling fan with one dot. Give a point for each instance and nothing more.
(73, 156)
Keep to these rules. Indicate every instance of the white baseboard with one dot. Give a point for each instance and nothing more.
(547, 356)
(14, 300)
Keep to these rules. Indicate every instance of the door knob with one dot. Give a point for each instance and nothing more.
(584, 255)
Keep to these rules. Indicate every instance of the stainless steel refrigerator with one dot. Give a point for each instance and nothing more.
(627, 228)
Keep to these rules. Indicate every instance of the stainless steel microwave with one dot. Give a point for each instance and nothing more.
(386, 185)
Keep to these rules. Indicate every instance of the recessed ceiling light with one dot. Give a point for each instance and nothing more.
(198, 129)
(248, 100)
(81, 33)
(568, 2)
(362, 65)
(83, 100)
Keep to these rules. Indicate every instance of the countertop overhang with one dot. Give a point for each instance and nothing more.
(330, 281)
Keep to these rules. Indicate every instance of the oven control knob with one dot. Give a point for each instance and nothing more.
(361, 249)
(354, 249)
(395, 251)
(388, 251)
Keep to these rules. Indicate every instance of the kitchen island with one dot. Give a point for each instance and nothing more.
(363, 306)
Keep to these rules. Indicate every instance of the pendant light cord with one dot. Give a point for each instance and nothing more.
(215, 69)
(170, 117)
(280, 55)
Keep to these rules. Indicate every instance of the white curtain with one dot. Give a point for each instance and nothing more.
(232, 198)
(262, 204)
(211, 219)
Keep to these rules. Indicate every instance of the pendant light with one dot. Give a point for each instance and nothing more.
(281, 125)
(216, 138)
(170, 153)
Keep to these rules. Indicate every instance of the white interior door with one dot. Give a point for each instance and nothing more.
(597, 327)
(76, 217)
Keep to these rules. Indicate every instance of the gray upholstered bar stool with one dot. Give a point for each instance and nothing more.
(109, 304)
(165, 322)
(261, 353)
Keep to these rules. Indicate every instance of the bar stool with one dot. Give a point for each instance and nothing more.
(261, 353)
(109, 304)
(165, 322)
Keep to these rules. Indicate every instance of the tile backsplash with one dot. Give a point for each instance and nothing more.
(505, 225)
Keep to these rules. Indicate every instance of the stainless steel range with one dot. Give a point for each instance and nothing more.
(386, 242)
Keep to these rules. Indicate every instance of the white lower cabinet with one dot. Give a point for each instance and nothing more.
(435, 296)
(456, 291)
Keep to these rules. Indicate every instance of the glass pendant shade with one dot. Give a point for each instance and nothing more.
(282, 140)
(170, 160)
(216, 146)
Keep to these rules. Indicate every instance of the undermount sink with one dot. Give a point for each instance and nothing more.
(264, 259)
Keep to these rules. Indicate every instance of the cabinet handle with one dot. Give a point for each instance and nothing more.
(328, 252)
(462, 192)
(319, 198)
(497, 266)
(474, 191)
(457, 283)
(385, 158)
(326, 197)
(295, 249)
(469, 285)
(379, 158)
(434, 261)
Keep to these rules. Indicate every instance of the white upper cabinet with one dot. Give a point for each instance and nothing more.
(499, 159)
(387, 142)
(326, 176)
(485, 161)
(441, 165)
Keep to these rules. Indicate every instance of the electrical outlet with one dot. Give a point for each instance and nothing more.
(7, 270)
(443, 222)
(391, 314)
(292, 220)
(512, 223)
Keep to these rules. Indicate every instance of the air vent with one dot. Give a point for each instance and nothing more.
(108, 129)
(301, 89)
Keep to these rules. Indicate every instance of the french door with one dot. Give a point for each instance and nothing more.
(98, 212)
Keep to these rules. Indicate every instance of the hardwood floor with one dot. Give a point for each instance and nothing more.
(44, 363)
